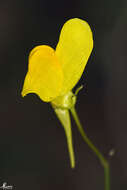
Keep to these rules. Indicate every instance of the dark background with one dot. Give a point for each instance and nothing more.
(33, 150)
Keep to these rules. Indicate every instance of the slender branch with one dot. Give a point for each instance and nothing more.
(103, 161)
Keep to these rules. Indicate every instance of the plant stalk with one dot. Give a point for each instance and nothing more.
(103, 161)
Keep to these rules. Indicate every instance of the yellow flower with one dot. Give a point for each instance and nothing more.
(52, 74)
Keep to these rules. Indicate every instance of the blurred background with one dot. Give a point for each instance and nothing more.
(33, 150)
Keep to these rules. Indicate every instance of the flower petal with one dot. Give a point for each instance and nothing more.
(64, 117)
(73, 50)
(44, 76)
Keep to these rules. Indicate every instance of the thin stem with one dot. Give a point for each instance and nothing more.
(103, 161)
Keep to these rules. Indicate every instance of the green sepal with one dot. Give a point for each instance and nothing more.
(67, 101)
(78, 89)
(64, 117)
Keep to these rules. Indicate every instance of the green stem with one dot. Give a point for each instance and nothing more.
(103, 161)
